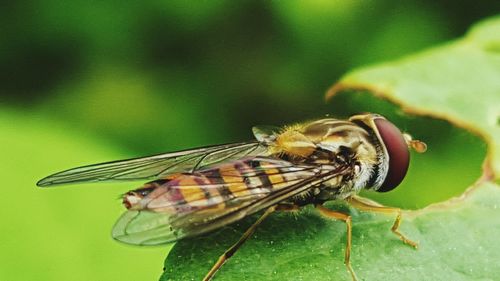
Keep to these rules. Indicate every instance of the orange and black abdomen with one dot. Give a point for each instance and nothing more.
(219, 187)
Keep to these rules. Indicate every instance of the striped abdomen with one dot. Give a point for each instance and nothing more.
(220, 187)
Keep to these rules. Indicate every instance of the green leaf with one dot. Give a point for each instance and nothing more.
(453, 243)
(458, 82)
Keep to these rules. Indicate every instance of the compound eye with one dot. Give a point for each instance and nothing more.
(397, 149)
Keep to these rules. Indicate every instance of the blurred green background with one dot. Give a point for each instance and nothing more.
(91, 81)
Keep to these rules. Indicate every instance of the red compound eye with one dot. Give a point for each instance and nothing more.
(397, 149)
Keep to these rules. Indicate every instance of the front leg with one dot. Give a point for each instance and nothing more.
(365, 204)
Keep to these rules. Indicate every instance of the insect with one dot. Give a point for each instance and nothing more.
(195, 191)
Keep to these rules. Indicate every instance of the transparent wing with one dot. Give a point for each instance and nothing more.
(169, 216)
(155, 166)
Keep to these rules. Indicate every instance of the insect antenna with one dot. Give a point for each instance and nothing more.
(417, 145)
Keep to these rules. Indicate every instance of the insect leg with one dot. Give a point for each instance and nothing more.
(230, 252)
(347, 219)
(365, 204)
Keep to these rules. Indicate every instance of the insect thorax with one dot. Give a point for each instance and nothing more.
(334, 144)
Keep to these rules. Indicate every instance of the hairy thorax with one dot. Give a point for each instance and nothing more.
(331, 144)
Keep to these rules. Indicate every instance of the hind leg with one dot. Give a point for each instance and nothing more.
(230, 252)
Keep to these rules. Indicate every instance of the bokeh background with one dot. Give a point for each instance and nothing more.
(91, 81)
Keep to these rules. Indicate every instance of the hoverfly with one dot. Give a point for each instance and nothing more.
(195, 191)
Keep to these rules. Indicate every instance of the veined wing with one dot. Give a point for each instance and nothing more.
(193, 204)
(156, 166)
